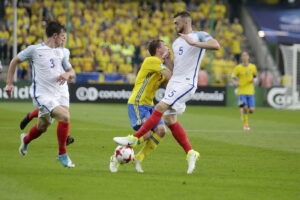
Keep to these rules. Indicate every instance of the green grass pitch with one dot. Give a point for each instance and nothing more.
(261, 164)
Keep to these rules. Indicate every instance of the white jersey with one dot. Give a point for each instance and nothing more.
(187, 58)
(47, 64)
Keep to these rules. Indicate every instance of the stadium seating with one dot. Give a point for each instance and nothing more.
(108, 38)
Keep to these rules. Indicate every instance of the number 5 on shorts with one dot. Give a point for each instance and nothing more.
(171, 93)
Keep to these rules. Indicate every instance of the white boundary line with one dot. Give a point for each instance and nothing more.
(191, 130)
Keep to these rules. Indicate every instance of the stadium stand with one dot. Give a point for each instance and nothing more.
(108, 38)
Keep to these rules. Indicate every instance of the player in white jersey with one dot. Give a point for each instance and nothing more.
(188, 49)
(35, 113)
(51, 70)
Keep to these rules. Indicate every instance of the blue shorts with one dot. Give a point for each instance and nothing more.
(139, 114)
(247, 100)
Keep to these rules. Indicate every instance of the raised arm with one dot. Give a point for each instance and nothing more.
(211, 44)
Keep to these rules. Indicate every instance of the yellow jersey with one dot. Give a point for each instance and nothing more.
(245, 75)
(147, 81)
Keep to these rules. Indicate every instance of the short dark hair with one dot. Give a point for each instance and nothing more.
(54, 27)
(183, 14)
(153, 45)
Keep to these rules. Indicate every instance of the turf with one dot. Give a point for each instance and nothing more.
(263, 163)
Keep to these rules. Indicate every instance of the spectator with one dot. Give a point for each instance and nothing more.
(4, 37)
(203, 77)
(266, 79)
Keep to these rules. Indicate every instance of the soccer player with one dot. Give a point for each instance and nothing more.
(140, 104)
(35, 113)
(51, 70)
(189, 48)
(244, 77)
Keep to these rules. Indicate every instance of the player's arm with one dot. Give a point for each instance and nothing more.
(235, 81)
(254, 80)
(210, 43)
(10, 75)
(25, 54)
(168, 61)
(234, 77)
(68, 76)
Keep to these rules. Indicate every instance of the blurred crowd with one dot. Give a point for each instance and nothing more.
(111, 36)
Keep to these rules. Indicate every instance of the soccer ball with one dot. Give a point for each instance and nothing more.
(124, 154)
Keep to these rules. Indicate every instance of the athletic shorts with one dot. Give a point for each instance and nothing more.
(139, 114)
(176, 95)
(46, 104)
(247, 100)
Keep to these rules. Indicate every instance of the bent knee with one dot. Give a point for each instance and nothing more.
(170, 119)
(65, 118)
(251, 110)
(161, 131)
(162, 106)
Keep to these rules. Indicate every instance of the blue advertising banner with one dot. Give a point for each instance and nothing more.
(277, 24)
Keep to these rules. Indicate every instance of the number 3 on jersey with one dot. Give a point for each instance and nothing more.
(52, 63)
(180, 50)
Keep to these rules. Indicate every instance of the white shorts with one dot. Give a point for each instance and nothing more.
(46, 104)
(176, 95)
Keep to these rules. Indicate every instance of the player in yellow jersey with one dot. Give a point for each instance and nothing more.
(140, 104)
(244, 77)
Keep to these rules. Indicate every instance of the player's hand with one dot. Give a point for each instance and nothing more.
(235, 83)
(71, 79)
(166, 55)
(9, 89)
(63, 78)
(187, 39)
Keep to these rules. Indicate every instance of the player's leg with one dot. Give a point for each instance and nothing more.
(150, 145)
(181, 137)
(34, 114)
(243, 104)
(70, 139)
(174, 92)
(178, 132)
(251, 104)
(250, 108)
(241, 113)
(152, 140)
(137, 115)
(151, 122)
(245, 118)
(63, 117)
(28, 118)
(33, 133)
